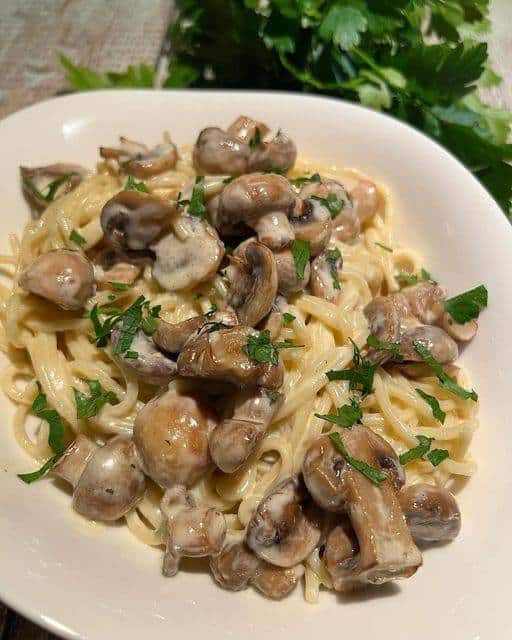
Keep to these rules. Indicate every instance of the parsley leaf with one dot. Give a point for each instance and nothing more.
(260, 347)
(131, 355)
(56, 428)
(444, 379)
(467, 305)
(417, 452)
(437, 412)
(213, 310)
(131, 183)
(436, 456)
(361, 375)
(131, 320)
(331, 202)
(120, 286)
(372, 341)
(332, 257)
(210, 327)
(301, 251)
(255, 141)
(75, 237)
(407, 279)
(52, 187)
(272, 396)
(346, 416)
(197, 206)
(89, 406)
(384, 246)
(28, 478)
(300, 182)
(278, 170)
(376, 476)
(288, 318)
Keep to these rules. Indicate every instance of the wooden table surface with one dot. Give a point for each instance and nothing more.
(105, 36)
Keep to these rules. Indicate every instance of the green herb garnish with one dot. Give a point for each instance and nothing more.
(372, 341)
(89, 406)
(332, 257)
(272, 396)
(75, 237)
(131, 183)
(197, 206)
(384, 246)
(52, 187)
(361, 375)
(288, 318)
(260, 347)
(131, 355)
(417, 452)
(406, 279)
(300, 182)
(255, 141)
(436, 456)
(345, 416)
(437, 412)
(28, 478)
(120, 286)
(376, 476)
(467, 305)
(213, 310)
(331, 202)
(301, 251)
(278, 170)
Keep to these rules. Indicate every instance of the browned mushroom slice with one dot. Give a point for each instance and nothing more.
(431, 512)
(244, 128)
(460, 332)
(252, 274)
(219, 355)
(217, 152)
(150, 364)
(63, 277)
(183, 264)
(121, 272)
(263, 201)
(111, 481)
(284, 531)
(325, 270)
(193, 532)
(288, 281)
(132, 220)
(277, 582)
(234, 567)
(311, 222)
(272, 323)
(425, 301)
(387, 316)
(140, 161)
(279, 153)
(341, 558)
(42, 185)
(438, 342)
(235, 438)
(171, 434)
(365, 199)
(171, 338)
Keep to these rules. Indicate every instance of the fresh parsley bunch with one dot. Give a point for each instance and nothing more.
(419, 60)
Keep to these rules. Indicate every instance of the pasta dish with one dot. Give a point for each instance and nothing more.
(223, 347)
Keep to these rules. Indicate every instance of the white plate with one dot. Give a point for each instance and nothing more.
(91, 581)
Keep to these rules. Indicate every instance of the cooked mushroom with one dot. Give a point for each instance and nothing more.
(324, 281)
(132, 220)
(122, 272)
(311, 222)
(235, 438)
(252, 275)
(183, 264)
(272, 323)
(341, 558)
(431, 512)
(460, 332)
(244, 128)
(263, 201)
(387, 317)
(171, 338)
(107, 481)
(63, 277)
(42, 185)
(387, 550)
(277, 582)
(193, 532)
(171, 434)
(218, 152)
(140, 161)
(425, 301)
(438, 342)
(365, 199)
(323, 465)
(288, 281)
(151, 365)
(283, 531)
(219, 355)
(279, 153)
(235, 566)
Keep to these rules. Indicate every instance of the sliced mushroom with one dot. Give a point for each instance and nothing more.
(235, 438)
(235, 566)
(279, 153)
(107, 481)
(341, 558)
(122, 272)
(311, 222)
(272, 323)
(219, 355)
(365, 199)
(324, 280)
(283, 531)
(263, 201)
(323, 467)
(132, 220)
(387, 317)
(277, 582)
(171, 338)
(253, 283)
(151, 365)
(193, 532)
(63, 277)
(288, 281)
(425, 301)
(140, 161)
(244, 128)
(387, 550)
(42, 185)
(171, 434)
(460, 332)
(431, 512)
(438, 342)
(217, 152)
(183, 264)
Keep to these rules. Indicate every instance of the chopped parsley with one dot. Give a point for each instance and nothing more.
(272, 396)
(75, 237)
(260, 347)
(361, 375)
(444, 379)
(28, 478)
(210, 327)
(376, 476)
(372, 341)
(436, 456)
(255, 141)
(131, 183)
(300, 182)
(131, 355)
(332, 203)
(332, 257)
(213, 309)
(384, 246)
(89, 406)
(345, 416)
(197, 206)
(52, 187)
(230, 178)
(288, 318)
(278, 170)
(408, 279)
(467, 305)
(301, 251)
(120, 286)
(437, 412)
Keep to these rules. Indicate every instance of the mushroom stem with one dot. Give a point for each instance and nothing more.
(274, 230)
